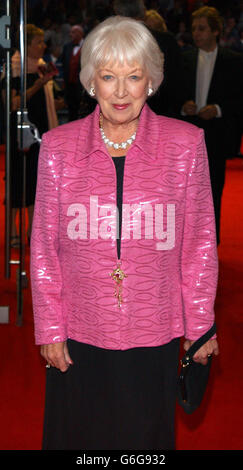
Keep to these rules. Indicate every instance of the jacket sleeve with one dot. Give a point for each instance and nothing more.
(45, 269)
(199, 262)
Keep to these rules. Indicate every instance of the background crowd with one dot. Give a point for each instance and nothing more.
(59, 20)
(57, 16)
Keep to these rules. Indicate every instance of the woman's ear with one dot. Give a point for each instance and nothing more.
(150, 88)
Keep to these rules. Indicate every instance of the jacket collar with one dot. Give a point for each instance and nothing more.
(147, 139)
(148, 132)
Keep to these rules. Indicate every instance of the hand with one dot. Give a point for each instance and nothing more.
(37, 85)
(57, 355)
(208, 112)
(209, 348)
(190, 108)
(42, 80)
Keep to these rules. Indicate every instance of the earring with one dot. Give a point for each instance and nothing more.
(92, 91)
(150, 91)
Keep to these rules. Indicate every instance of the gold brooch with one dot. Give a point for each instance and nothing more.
(118, 275)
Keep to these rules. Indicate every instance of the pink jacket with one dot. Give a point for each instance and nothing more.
(168, 243)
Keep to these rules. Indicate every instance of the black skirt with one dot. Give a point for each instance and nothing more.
(112, 400)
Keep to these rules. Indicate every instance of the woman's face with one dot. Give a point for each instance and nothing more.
(37, 47)
(121, 91)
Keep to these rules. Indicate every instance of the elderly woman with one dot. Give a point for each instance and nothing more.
(124, 257)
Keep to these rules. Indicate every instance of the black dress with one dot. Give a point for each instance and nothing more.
(37, 114)
(112, 399)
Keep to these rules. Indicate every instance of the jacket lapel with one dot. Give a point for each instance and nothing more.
(190, 74)
(216, 78)
(194, 60)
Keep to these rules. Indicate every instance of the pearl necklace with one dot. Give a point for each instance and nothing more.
(116, 146)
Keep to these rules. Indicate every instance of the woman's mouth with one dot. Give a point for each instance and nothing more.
(120, 107)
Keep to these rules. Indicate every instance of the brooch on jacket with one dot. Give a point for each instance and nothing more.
(118, 275)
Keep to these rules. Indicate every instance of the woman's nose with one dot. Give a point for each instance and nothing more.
(121, 88)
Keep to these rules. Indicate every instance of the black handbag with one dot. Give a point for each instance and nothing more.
(193, 377)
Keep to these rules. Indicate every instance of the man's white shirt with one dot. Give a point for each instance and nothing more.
(205, 68)
(76, 48)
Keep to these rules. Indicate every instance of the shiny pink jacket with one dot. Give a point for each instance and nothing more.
(170, 284)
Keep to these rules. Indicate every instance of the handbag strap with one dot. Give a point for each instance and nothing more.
(198, 343)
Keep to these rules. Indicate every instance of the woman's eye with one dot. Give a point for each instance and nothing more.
(134, 77)
(107, 77)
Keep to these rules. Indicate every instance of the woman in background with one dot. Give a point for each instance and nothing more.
(155, 21)
(41, 112)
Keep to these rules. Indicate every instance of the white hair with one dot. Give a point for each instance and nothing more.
(120, 39)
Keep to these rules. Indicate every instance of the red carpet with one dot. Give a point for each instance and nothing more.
(216, 425)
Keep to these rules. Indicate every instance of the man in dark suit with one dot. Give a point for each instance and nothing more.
(70, 59)
(213, 78)
(167, 100)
